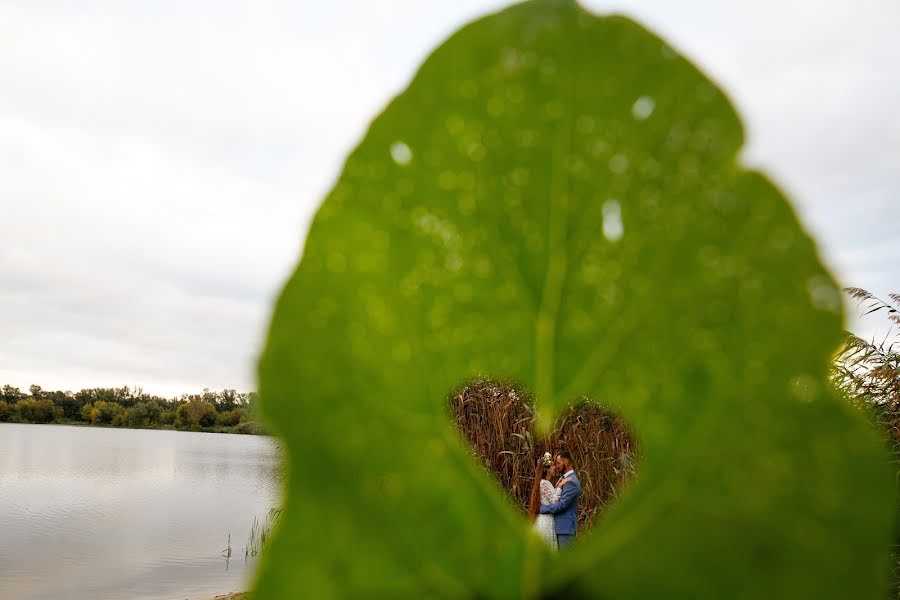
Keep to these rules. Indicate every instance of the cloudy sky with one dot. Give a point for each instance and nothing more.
(160, 161)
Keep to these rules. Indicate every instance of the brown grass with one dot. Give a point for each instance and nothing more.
(496, 420)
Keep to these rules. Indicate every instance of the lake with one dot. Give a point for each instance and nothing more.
(99, 513)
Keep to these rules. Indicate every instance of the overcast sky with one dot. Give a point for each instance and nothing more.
(160, 160)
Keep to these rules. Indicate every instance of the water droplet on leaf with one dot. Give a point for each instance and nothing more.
(612, 221)
(401, 153)
(642, 108)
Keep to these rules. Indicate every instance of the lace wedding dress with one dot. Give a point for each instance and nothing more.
(543, 525)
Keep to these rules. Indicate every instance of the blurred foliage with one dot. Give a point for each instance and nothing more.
(555, 200)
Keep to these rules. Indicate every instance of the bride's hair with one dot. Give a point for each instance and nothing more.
(540, 473)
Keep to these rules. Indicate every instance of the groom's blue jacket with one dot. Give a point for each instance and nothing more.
(565, 510)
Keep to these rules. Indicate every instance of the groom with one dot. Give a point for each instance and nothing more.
(565, 510)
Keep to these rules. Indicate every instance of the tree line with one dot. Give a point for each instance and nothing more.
(226, 411)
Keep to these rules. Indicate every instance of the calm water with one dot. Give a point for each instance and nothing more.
(123, 513)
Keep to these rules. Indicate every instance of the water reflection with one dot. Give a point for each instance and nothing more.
(113, 513)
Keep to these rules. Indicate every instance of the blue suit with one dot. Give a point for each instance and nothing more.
(565, 511)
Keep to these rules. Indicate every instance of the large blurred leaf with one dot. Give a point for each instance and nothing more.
(555, 200)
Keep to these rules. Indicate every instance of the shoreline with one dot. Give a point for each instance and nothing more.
(82, 424)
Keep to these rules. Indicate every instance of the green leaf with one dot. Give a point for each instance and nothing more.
(555, 200)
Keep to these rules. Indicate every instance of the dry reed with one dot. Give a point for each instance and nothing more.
(496, 420)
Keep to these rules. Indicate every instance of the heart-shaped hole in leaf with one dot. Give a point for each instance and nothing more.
(498, 422)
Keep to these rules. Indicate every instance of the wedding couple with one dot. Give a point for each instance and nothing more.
(554, 508)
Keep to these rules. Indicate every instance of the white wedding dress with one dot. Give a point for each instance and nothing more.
(544, 525)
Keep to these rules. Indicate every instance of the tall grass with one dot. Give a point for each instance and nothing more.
(497, 419)
(867, 374)
(261, 533)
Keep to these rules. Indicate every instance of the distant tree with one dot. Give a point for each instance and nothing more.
(183, 416)
(229, 400)
(30, 410)
(208, 415)
(123, 396)
(106, 412)
(36, 392)
(70, 405)
(167, 416)
(142, 414)
(11, 394)
(135, 417)
(230, 418)
(195, 414)
(4, 411)
(154, 409)
(212, 397)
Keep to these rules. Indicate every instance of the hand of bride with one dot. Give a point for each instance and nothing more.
(563, 482)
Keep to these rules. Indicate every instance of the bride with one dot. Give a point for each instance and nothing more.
(544, 492)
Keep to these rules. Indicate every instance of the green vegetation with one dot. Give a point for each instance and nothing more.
(556, 200)
(226, 411)
(261, 533)
(867, 373)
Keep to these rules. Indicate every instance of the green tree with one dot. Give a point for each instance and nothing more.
(142, 414)
(195, 414)
(183, 417)
(11, 394)
(4, 411)
(107, 413)
(228, 400)
(29, 410)
(153, 410)
(135, 417)
(167, 416)
(230, 418)
(68, 402)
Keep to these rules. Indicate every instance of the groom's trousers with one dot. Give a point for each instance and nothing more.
(565, 539)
